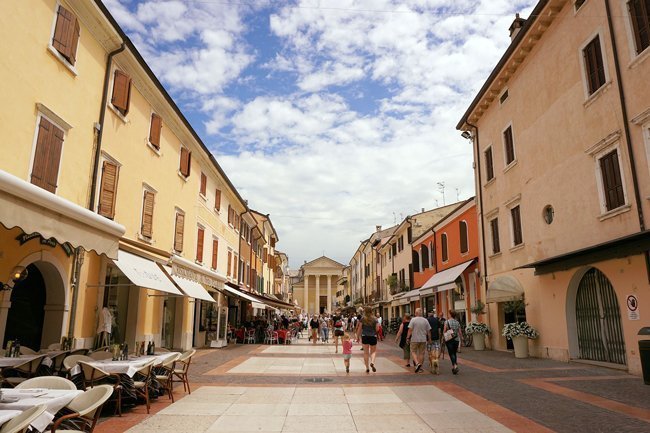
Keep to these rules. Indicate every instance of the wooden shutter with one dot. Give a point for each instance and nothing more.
(66, 34)
(47, 156)
(594, 65)
(121, 91)
(489, 165)
(186, 161)
(464, 247)
(229, 263)
(229, 214)
(204, 184)
(179, 230)
(445, 253)
(235, 267)
(612, 182)
(516, 225)
(155, 129)
(147, 214)
(494, 227)
(509, 145)
(265, 255)
(640, 16)
(217, 199)
(215, 252)
(199, 244)
(108, 189)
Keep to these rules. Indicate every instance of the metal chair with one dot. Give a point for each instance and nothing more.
(21, 422)
(249, 336)
(181, 367)
(86, 408)
(47, 382)
(22, 372)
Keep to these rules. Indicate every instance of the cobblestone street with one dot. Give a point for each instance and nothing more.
(301, 387)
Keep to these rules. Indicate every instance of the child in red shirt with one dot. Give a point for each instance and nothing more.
(347, 351)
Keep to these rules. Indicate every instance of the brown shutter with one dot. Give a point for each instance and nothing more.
(74, 41)
(204, 183)
(445, 254)
(199, 244)
(217, 199)
(108, 190)
(229, 214)
(464, 247)
(215, 252)
(66, 34)
(147, 214)
(186, 161)
(229, 262)
(516, 225)
(41, 153)
(489, 166)
(179, 230)
(121, 91)
(154, 131)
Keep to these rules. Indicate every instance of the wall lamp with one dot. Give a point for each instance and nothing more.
(19, 273)
(466, 135)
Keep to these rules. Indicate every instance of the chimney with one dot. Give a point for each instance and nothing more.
(378, 228)
(422, 210)
(516, 25)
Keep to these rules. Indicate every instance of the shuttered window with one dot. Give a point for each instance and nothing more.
(516, 226)
(154, 130)
(594, 66)
(640, 16)
(612, 181)
(464, 245)
(445, 252)
(215, 252)
(186, 161)
(121, 92)
(108, 189)
(509, 145)
(494, 229)
(217, 199)
(272, 242)
(230, 215)
(66, 35)
(235, 268)
(489, 164)
(228, 273)
(265, 255)
(147, 214)
(199, 244)
(47, 156)
(179, 229)
(204, 184)
(236, 217)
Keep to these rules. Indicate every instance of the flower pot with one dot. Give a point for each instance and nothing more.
(520, 343)
(478, 341)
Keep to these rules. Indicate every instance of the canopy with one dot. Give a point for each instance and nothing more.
(191, 271)
(445, 280)
(35, 210)
(245, 296)
(503, 289)
(191, 288)
(144, 273)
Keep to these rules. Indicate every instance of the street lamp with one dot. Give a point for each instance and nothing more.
(18, 273)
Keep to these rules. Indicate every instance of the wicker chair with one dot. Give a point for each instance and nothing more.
(47, 382)
(12, 376)
(24, 350)
(142, 386)
(21, 422)
(86, 408)
(94, 376)
(164, 372)
(181, 367)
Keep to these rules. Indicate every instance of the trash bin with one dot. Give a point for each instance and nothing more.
(644, 354)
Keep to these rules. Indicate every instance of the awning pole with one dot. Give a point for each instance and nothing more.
(78, 262)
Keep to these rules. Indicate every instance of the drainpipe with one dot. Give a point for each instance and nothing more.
(76, 271)
(626, 128)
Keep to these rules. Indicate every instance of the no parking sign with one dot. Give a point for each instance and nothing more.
(632, 307)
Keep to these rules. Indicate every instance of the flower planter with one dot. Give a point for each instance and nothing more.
(520, 343)
(478, 341)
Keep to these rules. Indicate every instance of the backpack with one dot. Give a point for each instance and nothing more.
(338, 324)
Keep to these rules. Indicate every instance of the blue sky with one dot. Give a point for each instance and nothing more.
(332, 116)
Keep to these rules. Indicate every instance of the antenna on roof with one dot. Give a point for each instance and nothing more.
(441, 188)
(457, 194)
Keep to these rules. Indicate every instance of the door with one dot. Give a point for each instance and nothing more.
(169, 319)
(27, 311)
(598, 320)
(322, 307)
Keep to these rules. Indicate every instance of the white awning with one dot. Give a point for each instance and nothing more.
(503, 289)
(191, 288)
(238, 293)
(144, 273)
(35, 210)
(191, 271)
(445, 280)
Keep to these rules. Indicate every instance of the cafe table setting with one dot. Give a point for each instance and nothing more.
(14, 401)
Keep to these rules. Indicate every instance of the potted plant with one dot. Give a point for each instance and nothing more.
(478, 331)
(519, 333)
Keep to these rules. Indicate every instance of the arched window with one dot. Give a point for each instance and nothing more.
(445, 253)
(464, 245)
(424, 252)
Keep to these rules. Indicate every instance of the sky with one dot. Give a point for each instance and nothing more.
(332, 116)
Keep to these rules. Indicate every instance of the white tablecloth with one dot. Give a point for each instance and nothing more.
(12, 362)
(6, 415)
(54, 399)
(129, 367)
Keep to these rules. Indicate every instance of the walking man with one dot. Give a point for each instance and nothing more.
(419, 335)
(434, 347)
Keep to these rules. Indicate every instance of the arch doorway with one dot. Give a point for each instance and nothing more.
(27, 312)
(598, 320)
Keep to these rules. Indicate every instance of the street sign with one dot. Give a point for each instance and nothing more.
(632, 307)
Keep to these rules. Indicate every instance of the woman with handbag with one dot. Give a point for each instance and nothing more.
(452, 335)
(338, 331)
(367, 329)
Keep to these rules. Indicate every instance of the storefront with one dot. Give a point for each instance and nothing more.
(448, 288)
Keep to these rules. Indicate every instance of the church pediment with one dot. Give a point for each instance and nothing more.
(322, 262)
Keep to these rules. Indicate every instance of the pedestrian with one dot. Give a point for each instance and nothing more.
(367, 329)
(381, 327)
(347, 351)
(434, 347)
(338, 331)
(419, 335)
(324, 328)
(402, 333)
(452, 334)
(313, 324)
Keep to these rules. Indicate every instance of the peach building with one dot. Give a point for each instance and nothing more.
(561, 136)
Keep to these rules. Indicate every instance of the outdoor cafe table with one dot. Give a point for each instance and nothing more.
(6, 415)
(128, 367)
(54, 399)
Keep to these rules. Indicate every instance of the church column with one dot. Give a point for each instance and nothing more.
(329, 293)
(318, 294)
(305, 306)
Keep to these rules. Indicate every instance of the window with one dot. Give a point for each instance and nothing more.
(432, 254)
(509, 145)
(248, 274)
(579, 4)
(594, 66)
(235, 268)
(108, 189)
(445, 252)
(179, 229)
(394, 249)
(204, 184)
(237, 220)
(464, 245)
(640, 16)
(489, 165)
(400, 243)
(228, 273)
(186, 162)
(231, 215)
(154, 130)
(66, 35)
(515, 214)
(199, 244)
(409, 235)
(416, 261)
(146, 229)
(494, 230)
(612, 181)
(121, 92)
(217, 200)
(47, 155)
(424, 252)
(503, 97)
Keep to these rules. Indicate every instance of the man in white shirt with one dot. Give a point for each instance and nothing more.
(419, 335)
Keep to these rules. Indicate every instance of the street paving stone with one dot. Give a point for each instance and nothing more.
(265, 388)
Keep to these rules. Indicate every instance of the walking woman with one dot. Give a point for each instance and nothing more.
(313, 324)
(402, 333)
(367, 329)
(452, 335)
(338, 331)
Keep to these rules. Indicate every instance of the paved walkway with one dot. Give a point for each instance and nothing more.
(300, 387)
